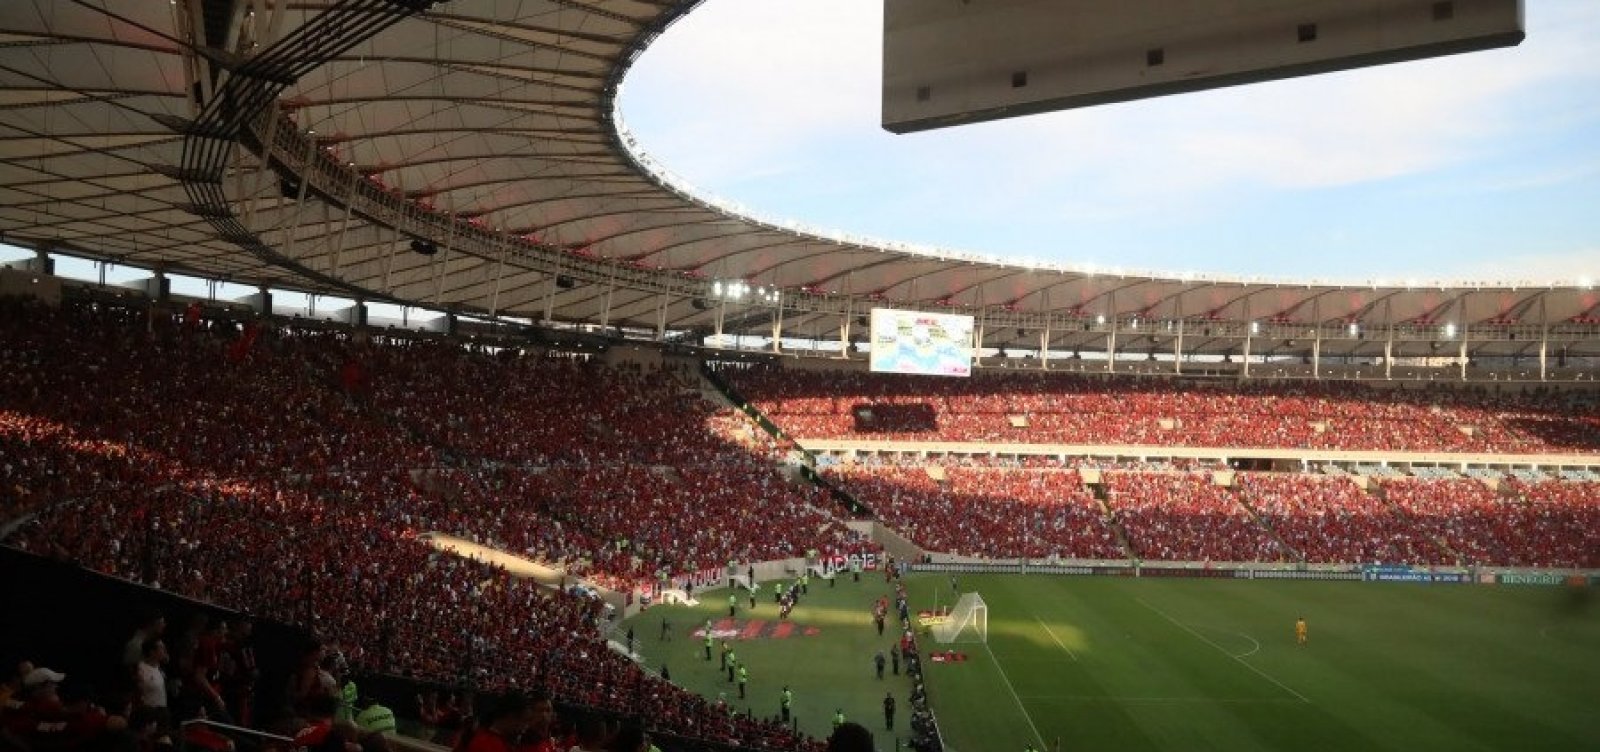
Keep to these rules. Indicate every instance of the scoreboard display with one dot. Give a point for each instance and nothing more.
(930, 344)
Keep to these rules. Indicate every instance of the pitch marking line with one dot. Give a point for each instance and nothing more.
(1239, 700)
(1223, 651)
(1253, 650)
(1057, 639)
(1014, 694)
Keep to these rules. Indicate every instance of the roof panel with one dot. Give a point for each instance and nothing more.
(498, 111)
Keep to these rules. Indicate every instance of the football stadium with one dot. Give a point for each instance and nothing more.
(366, 384)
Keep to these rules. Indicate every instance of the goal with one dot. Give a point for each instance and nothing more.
(968, 621)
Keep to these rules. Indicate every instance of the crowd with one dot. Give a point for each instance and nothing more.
(1122, 410)
(1330, 520)
(1563, 520)
(1186, 517)
(200, 670)
(1547, 524)
(988, 513)
(289, 473)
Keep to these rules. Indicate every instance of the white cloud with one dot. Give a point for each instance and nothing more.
(745, 97)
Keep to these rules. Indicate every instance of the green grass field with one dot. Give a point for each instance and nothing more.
(1124, 664)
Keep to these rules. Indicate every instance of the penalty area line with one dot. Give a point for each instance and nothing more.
(1221, 650)
(1057, 639)
(1014, 694)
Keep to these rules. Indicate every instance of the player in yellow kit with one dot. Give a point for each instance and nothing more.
(1300, 630)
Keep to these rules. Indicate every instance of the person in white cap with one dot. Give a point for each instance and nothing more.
(39, 677)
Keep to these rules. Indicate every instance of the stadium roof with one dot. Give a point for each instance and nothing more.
(315, 144)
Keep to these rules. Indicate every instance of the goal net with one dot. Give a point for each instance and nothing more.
(968, 621)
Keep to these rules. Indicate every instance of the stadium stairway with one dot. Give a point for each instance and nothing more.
(1377, 490)
(852, 507)
(1099, 491)
(1239, 497)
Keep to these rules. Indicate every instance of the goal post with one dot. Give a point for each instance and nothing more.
(968, 621)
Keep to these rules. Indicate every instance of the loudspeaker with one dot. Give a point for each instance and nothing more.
(424, 247)
(564, 282)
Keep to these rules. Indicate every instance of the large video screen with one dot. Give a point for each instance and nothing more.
(933, 344)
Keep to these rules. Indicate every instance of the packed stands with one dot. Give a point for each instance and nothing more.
(290, 472)
(1548, 524)
(988, 513)
(1186, 517)
(285, 473)
(1099, 410)
(1330, 520)
(1563, 521)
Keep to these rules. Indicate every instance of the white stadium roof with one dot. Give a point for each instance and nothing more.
(307, 144)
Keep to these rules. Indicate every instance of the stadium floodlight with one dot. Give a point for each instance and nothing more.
(1100, 319)
(1355, 329)
(1449, 331)
(1255, 327)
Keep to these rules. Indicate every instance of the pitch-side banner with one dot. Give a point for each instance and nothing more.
(932, 344)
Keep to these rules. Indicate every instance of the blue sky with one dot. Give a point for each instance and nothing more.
(1472, 167)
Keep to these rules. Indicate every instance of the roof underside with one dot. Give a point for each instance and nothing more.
(306, 143)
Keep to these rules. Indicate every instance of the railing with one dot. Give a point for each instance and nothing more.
(263, 738)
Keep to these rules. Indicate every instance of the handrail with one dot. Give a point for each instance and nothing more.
(229, 729)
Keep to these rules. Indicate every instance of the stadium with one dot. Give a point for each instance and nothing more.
(365, 384)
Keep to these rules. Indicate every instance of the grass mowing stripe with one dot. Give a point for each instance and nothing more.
(1014, 695)
(1220, 649)
(1057, 639)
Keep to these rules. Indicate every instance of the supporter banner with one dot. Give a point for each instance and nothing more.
(1369, 574)
(1393, 575)
(1532, 578)
(1288, 574)
(846, 562)
(1014, 568)
(1184, 572)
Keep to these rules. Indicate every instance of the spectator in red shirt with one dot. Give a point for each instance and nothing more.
(502, 726)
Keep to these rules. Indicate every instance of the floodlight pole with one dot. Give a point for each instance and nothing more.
(844, 327)
(983, 316)
(777, 325)
(1388, 344)
(1177, 344)
(388, 262)
(1044, 336)
(1111, 339)
(1316, 338)
(344, 225)
(550, 291)
(611, 286)
(1544, 335)
(1249, 333)
(444, 261)
(722, 314)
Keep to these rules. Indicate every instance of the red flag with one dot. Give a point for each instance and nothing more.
(352, 376)
(241, 346)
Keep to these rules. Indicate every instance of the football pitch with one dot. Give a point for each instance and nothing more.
(1164, 664)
